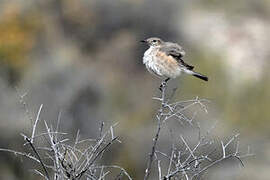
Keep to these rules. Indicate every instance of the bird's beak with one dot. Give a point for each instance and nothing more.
(143, 41)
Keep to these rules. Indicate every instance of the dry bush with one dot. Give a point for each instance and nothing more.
(188, 162)
(59, 159)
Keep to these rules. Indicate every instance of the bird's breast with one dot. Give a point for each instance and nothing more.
(147, 57)
(161, 64)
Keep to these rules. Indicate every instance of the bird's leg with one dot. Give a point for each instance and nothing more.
(163, 84)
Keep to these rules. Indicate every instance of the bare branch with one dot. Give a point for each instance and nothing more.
(20, 153)
(38, 157)
(159, 170)
(35, 124)
(160, 120)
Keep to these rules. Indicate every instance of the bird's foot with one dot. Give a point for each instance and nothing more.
(162, 85)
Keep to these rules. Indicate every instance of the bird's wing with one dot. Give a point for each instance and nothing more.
(176, 51)
(173, 49)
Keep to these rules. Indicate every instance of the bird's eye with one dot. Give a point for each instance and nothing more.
(154, 40)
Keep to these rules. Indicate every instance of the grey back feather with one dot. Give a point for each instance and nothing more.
(176, 51)
(173, 49)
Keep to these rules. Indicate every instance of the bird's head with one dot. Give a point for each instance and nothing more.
(153, 41)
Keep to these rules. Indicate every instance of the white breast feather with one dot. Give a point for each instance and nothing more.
(150, 62)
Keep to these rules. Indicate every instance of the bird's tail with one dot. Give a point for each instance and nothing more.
(198, 75)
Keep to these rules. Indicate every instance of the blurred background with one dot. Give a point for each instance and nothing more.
(83, 58)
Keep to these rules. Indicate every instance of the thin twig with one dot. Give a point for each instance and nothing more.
(159, 171)
(20, 153)
(38, 157)
(95, 157)
(159, 123)
(117, 167)
(35, 124)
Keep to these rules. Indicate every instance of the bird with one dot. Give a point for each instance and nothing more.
(165, 60)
